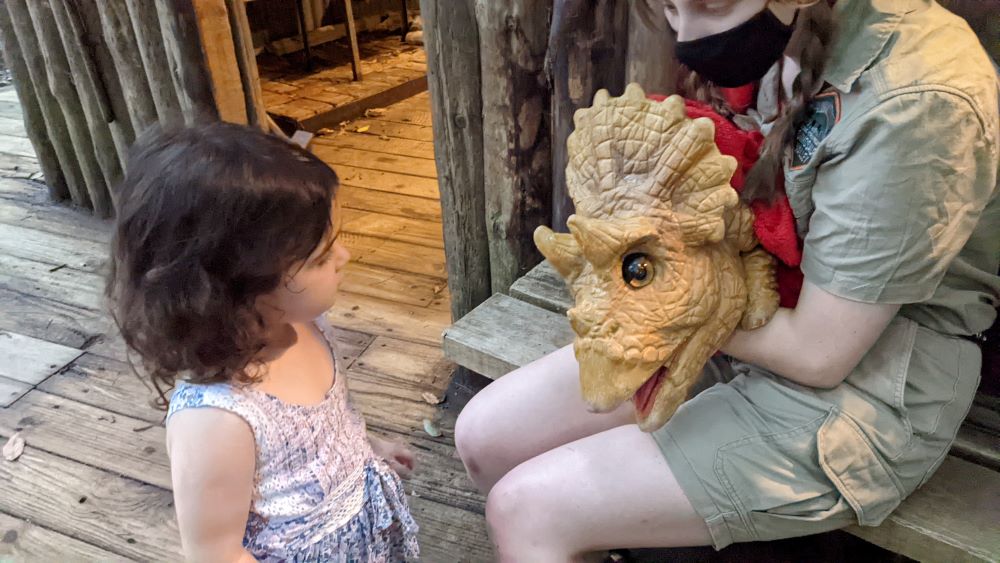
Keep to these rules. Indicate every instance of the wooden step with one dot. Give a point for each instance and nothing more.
(503, 334)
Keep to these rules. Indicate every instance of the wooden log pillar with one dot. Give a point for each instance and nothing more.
(651, 61)
(34, 118)
(246, 58)
(39, 13)
(517, 160)
(149, 40)
(122, 43)
(182, 40)
(93, 31)
(451, 37)
(586, 52)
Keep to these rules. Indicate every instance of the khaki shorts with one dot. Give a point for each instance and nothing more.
(763, 458)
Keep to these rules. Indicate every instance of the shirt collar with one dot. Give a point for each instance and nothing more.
(864, 29)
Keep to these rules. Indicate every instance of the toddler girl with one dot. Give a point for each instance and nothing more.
(224, 258)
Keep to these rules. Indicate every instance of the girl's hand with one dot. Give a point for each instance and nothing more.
(397, 454)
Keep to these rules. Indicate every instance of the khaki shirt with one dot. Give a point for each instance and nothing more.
(893, 180)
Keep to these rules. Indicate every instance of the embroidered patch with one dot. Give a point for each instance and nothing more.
(824, 113)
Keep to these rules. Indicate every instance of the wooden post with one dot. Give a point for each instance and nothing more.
(93, 31)
(40, 13)
(451, 38)
(34, 118)
(93, 98)
(179, 28)
(352, 36)
(253, 96)
(651, 60)
(149, 39)
(111, 139)
(586, 52)
(55, 121)
(123, 45)
(219, 56)
(517, 160)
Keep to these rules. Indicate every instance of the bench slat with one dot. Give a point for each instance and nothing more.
(952, 518)
(504, 333)
(543, 287)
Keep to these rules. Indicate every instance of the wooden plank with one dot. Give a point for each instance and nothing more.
(977, 445)
(421, 364)
(246, 58)
(50, 248)
(351, 139)
(545, 288)
(378, 127)
(393, 227)
(10, 391)
(517, 160)
(450, 534)
(352, 36)
(382, 318)
(951, 518)
(386, 181)
(392, 285)
(52, 321)
(503, 334)
(107, 384)
(655, 74)
(393, 405)
(24, 541)
(113, 442)
(357, 108)
(394, 255)
(64, 285)
(219, 54)
(30, 360)
(182, 41)
(363, 199)
(125, 517)
(12, 127)
(414, 111)
(18, 166)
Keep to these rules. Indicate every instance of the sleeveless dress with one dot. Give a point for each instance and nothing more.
(320, 492)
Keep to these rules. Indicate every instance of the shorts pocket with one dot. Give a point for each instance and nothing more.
(856, 469)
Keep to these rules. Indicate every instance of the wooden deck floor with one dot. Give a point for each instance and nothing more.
(93, 482)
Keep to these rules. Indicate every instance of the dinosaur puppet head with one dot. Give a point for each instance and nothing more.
(648, 258)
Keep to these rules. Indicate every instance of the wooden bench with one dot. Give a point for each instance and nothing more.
(954, 517)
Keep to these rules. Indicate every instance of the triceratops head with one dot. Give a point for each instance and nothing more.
(647, 258)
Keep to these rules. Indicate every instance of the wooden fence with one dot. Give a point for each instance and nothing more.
(92, 74)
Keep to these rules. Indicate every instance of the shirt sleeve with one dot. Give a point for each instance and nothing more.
(899, 196)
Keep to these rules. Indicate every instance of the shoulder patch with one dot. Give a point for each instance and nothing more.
(824, 113)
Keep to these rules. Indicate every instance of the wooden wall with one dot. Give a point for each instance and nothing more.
(91, 76)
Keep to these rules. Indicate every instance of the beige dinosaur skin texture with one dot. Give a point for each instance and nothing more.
(661, 259)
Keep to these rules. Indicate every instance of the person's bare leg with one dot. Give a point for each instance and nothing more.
(526, 412)
(610, 490)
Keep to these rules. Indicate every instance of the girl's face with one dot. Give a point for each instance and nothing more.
(312, 287)
(694, 19)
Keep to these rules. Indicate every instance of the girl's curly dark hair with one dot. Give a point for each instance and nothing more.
(209, 219)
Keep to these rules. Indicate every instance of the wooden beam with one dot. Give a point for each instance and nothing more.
(219, 55)
(517, 159)
(586, 52)
(96, 175)
(453, 72)
(31, 104)
(149, 40)
(352, 35)
(182, 40)
(121, 40)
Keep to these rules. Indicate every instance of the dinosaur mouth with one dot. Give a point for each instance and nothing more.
(645, 397)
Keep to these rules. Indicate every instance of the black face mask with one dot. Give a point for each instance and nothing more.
(739, 55)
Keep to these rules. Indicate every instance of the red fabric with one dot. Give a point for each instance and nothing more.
(741, 97)
(774, 224)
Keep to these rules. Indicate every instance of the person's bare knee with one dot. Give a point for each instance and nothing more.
(521, 520)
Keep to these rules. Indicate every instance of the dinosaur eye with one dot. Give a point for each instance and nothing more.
(637, 270)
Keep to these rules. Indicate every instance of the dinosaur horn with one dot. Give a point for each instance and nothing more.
(561, 250)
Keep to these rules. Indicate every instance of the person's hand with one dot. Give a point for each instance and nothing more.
(397, 454)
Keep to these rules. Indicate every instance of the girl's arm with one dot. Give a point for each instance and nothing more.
(212, 463)
(819, 342)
